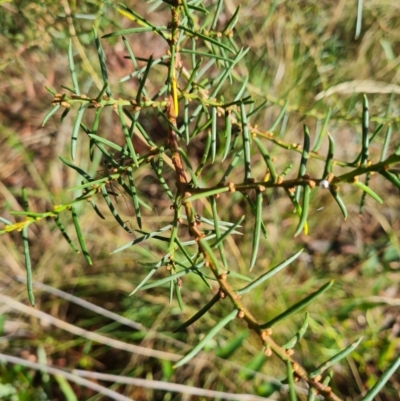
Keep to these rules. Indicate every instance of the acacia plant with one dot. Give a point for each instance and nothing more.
(203, 155)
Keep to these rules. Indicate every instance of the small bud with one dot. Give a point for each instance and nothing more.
(265, 333)
(240, 315)
(289, 352)
(222, 294)
(223, 276)
(267, 352)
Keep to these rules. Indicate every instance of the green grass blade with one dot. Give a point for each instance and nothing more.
(130, 53)
(208, 250)
(391, 177)
(290, 378)
(227, 71)
(329, 158)
(186, 123)
(365, 127)
(298, 306)
(305, 154)
(50, 113)
(206, 194)
(267, 159)
(65, 234)
(217, 13)
(257, 229)
(204, 54)
(142, 238)
(193, 74)
(95, 127)
(72, 69)
(113, 210)
(27, 256)
(143, 81)
(75, 130)
(134, 197)
(287, 170)
(143, 282)
(336, 358)
(207, 39)
(368, 190)
(104, 141)
(227, 134)
(214, 121)
(96, 209)
(5, 221)
(227, 233)
(373, 392)
(248, 372)
(364, 194)
(359, 19)
(376, 132)
(246, 143)
(279, 118)
(158, 169)
(340, 203)
(135, 30)
(65, 388)
(194, 351)
(83, 173)
(188, 167)
(79, 234)
(217, 230)
(304, 212)
(269, 273)
(205, 155)
(258, 108)
(299, 335)
(226, 351)
(177, 288)
(128, 139)
(232, 22)
(253, 210)
(168, 279)
(321, 134)
(102, 61)
(386, 143)
(187, 13)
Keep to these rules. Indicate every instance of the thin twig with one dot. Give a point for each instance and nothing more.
(69, 376)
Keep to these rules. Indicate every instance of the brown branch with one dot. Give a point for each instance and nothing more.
(183, 193)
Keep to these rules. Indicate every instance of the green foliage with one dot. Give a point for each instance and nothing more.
(202, 162)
